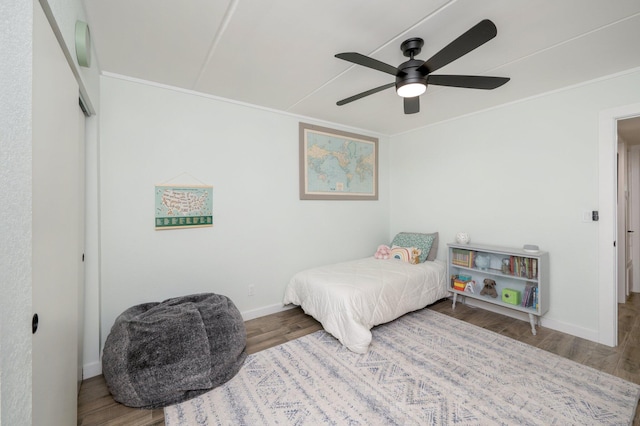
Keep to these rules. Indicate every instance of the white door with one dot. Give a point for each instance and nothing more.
(56, 230)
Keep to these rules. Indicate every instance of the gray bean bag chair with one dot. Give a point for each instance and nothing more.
(158, 354)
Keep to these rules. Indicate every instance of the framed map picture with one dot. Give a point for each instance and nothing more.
(336, 165)
(179, 206)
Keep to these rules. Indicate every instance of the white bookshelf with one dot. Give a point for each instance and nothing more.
(512, 269)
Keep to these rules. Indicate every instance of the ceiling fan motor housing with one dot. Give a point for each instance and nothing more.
(409, 74)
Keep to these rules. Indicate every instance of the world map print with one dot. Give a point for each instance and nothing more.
(183, 206)
(339, 165)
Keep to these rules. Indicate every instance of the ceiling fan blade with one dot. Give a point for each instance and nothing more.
(467, 81)
(363, 94)
(478, 35)
(366, 61)
(412, 105)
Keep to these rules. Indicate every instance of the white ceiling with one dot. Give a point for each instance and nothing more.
(278, 54)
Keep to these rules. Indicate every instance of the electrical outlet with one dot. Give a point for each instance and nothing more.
(252, 290)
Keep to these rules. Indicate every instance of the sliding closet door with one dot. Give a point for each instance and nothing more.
(80, 249)
(56, 230)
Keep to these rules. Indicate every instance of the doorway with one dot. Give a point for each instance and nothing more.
(608, 229)
(628, 131)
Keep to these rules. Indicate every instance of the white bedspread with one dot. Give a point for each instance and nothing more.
(350, 298)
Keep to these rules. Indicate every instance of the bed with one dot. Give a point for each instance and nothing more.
(350, 298)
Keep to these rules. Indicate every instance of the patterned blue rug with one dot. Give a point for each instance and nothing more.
(424, 368)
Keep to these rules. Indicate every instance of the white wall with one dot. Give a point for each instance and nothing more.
(16, 38)
(518, 174)
(262, 232)
(521, 173)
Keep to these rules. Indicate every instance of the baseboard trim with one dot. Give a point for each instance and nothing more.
(583, 333)
(91, 369)
(265, 310)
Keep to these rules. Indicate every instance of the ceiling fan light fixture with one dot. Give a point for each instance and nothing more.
(411, 90)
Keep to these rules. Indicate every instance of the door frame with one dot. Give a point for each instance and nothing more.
(634, 177)
(607, 231)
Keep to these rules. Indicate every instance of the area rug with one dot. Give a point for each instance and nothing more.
(424, 368)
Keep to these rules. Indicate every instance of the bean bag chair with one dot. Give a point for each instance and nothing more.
(159, 354)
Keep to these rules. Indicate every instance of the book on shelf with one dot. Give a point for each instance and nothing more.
(530, 299)
(525, 267)
(462, 257)
(525, 296)
(459, 285)
(460, 282)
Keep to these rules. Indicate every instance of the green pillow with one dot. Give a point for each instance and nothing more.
(417, 240)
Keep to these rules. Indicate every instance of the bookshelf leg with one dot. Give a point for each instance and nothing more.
(532, 321)
(455, 296)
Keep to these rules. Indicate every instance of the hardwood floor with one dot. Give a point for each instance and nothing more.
(97, 407)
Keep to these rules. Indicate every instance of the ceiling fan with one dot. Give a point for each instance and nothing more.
(413, 76)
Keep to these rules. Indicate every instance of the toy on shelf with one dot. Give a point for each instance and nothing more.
(470, 287)
(489, 288)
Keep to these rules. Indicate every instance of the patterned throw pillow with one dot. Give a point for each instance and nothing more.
(406, 254)
(415, 239)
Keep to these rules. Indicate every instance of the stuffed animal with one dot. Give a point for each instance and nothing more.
(415, 255)
(383, 252)
(489, 288)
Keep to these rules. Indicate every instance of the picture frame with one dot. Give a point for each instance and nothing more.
(337, 165)
(183, 206)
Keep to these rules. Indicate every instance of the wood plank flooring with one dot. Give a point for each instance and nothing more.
(97, 407)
